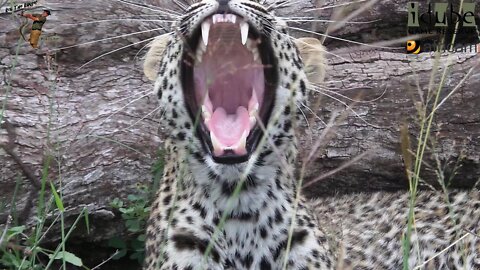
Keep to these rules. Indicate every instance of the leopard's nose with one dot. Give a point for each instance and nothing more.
(223, 6)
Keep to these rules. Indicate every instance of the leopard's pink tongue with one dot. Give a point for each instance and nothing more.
(229, 131)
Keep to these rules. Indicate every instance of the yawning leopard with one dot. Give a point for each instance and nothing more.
(230, 80)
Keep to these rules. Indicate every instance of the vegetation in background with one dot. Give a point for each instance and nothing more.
(135, 212)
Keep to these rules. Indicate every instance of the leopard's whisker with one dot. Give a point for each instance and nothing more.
(321, 90)
(337, 5)
(303, 115)
(183, 6)
(337, 25)
(143, 118)
(119, 20)
(352, 110)
(112, 51)
(313, 113)
(165, 11)
(109, 38)
(131, 96)
(324, 51)
(325, 21)
(285, 4)
(341, 39)
(117, 111)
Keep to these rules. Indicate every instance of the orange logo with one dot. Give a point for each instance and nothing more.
(413, 47)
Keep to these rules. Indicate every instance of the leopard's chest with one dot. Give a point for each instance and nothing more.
(252, 240)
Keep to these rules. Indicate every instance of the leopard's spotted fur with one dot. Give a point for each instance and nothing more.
(361, 231)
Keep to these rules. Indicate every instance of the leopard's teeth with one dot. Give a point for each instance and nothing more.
(201, 49)
(225, 18)
(253, 121)
(240, 147)
(206, 114)
(217, 146)
(253, 103)
(252, 47)
(244, 31)
(256, 55)
(205, 31)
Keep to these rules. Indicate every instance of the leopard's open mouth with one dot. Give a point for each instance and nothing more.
(229, 78)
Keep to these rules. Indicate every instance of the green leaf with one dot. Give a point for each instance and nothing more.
(14, 231)
(133, 225)
(69, 257)
(126, 210)
(58, 201)
(121, 253)
(141, 237)
(117, 242)
(133, 197)
(117, 203)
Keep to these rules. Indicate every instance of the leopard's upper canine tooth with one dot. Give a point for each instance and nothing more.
(205, 31)
(244, 31)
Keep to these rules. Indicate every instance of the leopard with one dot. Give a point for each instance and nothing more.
(230, 81)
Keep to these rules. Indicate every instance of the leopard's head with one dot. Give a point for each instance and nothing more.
(230, 80)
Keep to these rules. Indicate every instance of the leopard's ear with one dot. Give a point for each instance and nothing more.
(313, 56)
(151, 63)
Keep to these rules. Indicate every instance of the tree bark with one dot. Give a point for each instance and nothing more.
(97, 127)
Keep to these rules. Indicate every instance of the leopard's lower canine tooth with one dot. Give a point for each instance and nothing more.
(218, 148)
(240, 147)
(205, 31)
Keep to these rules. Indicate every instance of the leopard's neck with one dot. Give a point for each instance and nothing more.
(224, 187)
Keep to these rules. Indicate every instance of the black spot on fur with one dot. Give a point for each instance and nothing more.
(191, 242)
(278, 216)
(294, 76)
(199, 208)
(166, 200)
(227, 188)
(287, 126)
(164, 83)
(298, 237)
(246, 216)
(303, 87)
(263, 232)
(247, 261)
(181, 136)
(265, 264)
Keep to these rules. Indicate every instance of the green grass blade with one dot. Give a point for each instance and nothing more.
(58, 200)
